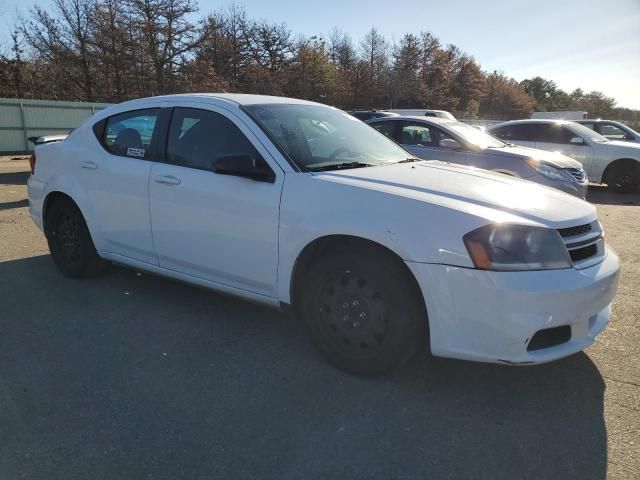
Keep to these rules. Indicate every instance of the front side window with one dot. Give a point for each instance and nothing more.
(198, 137)
(346, 142)
(416, 135)
(129, 134)
(612, 131)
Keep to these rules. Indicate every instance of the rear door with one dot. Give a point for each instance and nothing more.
(116, 178)
(219, 228)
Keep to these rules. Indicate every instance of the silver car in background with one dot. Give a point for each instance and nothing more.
(457, 142)
(612, 130)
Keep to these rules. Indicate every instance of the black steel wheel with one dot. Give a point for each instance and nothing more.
(624, 178)
(69, 241)
(364, 310)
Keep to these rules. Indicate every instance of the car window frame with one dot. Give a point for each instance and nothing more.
(100, 130)
(163, 139)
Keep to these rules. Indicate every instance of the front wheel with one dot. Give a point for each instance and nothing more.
(364, 311)
(70, 242)
(624, 178)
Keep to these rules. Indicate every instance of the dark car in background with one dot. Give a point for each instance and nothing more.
(365, 115)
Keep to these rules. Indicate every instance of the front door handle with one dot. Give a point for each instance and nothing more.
(88, 165)
(168, 180)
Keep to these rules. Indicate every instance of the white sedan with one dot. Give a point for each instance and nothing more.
(289, 202)
(615, 163)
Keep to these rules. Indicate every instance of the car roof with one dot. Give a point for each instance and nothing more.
(597, 120)
(419, 118)
(237, 98)
(533, 120)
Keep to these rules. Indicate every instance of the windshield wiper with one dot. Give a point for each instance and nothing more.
(340, 166)
(410, 160)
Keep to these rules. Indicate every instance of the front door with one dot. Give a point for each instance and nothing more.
(216, 227)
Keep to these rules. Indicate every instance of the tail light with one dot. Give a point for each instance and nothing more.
(32, 162)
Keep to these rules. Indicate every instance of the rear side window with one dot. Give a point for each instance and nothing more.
(521, 132)
(198, 137)
(130, 134)
(386, 128)
(550, 133)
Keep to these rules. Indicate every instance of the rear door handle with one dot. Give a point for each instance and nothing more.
(168, 180)
(88, 165)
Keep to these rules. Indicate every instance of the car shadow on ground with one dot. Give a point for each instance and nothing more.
(16, 204)
(135, 376)
(14, 178)
(599, 194)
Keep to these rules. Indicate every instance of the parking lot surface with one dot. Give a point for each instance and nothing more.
(132, 376)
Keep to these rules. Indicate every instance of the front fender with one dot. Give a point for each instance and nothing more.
(416, 231)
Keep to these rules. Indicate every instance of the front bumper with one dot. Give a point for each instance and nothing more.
(569, 186)
(36, 190)
(492, 316)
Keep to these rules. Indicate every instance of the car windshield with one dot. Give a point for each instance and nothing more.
(474, 136)
(323, 138)
(586, 132)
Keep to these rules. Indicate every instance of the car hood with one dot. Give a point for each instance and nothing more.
(555, 159)
(493, 196)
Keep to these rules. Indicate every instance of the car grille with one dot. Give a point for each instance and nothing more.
(575, 231)
(578, 173)
(585, 243)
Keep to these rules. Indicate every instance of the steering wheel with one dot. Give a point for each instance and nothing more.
(338, 151)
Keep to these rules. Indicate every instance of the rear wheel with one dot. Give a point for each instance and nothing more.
(364, 311)
(623, 178)
(69, 241)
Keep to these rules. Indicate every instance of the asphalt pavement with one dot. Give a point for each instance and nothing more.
(132, 376)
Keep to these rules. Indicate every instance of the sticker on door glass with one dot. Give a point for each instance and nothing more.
(135, 152)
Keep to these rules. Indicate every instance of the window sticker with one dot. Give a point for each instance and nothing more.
(136, 152)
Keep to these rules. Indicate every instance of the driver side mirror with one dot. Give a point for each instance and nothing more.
(449, 144)
(246, 166)
(576, 141)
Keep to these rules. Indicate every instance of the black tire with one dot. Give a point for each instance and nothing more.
(70, 242)
(364, 310)
(623, 178)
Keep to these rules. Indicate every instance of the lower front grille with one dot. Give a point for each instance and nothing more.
(550, 337)
(583, 253)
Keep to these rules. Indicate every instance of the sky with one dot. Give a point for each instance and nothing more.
(591, 44)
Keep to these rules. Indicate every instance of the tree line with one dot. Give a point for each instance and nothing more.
(115, 50)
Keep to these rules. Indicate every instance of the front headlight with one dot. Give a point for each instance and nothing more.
(517, 247)
(549, 171)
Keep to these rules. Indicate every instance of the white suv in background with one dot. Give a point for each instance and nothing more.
(615, 163)
(289, 202)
